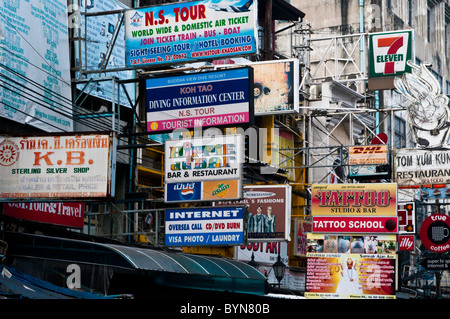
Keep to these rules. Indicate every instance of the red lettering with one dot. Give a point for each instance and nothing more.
(37, 158)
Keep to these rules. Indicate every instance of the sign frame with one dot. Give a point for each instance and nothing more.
(436, 224)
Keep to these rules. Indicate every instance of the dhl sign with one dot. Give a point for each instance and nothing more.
(388, 53)
(368, 155)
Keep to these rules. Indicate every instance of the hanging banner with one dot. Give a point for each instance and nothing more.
(205, 226)
(57, 166)
(351, 267)
(377, 199)
(355, 224)
(190, 31)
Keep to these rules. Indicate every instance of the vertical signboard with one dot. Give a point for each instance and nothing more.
(34, 52)
(206, 226)
(57, 166)
(189, 31)
(207, 99)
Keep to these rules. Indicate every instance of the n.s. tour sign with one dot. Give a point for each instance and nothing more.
(388, 53)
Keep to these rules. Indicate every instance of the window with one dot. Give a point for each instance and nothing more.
(428, 25)
(399, 132)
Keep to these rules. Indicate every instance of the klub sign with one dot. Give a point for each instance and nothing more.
(388, 53)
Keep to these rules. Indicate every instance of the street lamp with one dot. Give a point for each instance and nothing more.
(278, 269)
(253, 263)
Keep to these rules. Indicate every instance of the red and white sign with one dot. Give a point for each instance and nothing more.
(435, 233)
(406, 242)
(354, 224)
(63, 214)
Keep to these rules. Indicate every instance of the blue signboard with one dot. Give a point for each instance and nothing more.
(206, 226)
(214, 98)
(180, 192)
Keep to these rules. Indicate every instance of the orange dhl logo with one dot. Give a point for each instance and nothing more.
(368, 150)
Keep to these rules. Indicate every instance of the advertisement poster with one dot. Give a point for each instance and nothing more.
(351, 267)
(376, 199)
(203, 159)
(59, 166)
(199, 100)
(206, 226)
(63, 214)
(34, 49)
(190, 31)
(269, 209)
(276, 86)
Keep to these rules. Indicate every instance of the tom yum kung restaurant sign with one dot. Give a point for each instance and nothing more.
(57, 166)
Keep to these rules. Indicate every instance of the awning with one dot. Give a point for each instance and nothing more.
(165, 267)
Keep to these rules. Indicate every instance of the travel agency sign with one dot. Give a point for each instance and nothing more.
(388, 53)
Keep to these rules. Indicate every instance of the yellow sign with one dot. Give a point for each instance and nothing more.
(377, 199)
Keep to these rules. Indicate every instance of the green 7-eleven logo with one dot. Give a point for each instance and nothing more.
(389, 53)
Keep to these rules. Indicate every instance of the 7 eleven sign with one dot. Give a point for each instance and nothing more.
(388, 53)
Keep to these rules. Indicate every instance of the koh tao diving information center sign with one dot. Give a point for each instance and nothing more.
(198, 100)
(55, 166)
(206, 226)
(188, 31)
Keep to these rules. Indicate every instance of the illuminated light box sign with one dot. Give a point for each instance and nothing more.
(204, 226)
(57, 166)
(355, 224)
(190, 31)
(377, 199)
(207, 99)
(203, 159)
(351, 266)
(203, 191)
(63, 214)
(388, 53)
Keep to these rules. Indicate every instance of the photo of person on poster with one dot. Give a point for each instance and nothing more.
(349, 283)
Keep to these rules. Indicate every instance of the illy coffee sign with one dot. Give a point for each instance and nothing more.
(406, 242)
(388, 53)
(435, 233)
